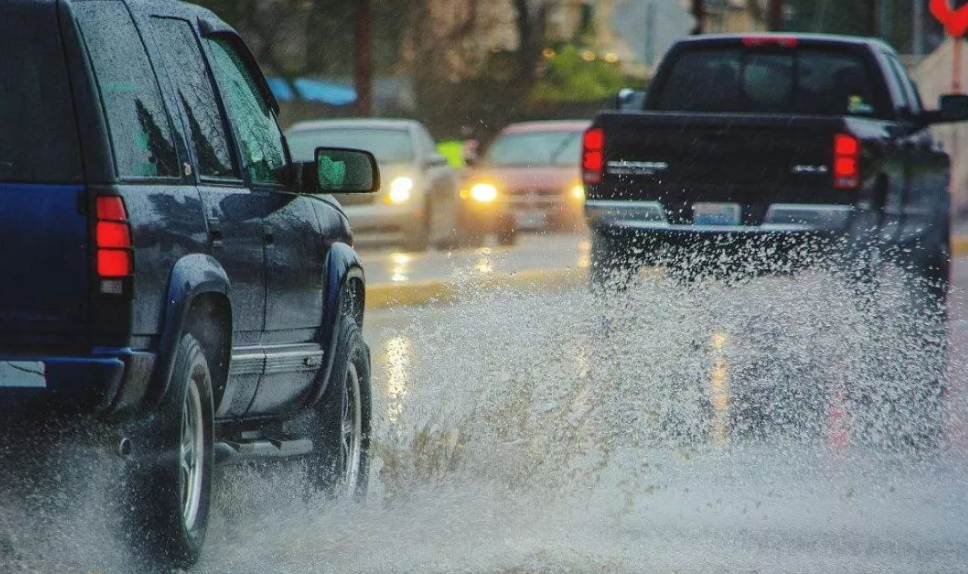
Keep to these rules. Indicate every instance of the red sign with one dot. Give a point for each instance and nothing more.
(955, 21)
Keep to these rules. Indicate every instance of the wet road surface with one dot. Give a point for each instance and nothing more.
(553, 251)
(709, 428)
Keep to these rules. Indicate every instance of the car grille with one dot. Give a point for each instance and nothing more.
(535, 198)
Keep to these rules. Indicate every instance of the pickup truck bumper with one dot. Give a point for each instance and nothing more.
(781, 218)
(108, 381)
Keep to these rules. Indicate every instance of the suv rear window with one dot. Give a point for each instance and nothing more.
(814, 81)
(38, 134)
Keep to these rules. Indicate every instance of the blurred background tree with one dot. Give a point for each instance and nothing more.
(469, 66)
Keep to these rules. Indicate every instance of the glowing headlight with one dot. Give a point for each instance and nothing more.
(578, 192)
(401, 189)
(483, 193)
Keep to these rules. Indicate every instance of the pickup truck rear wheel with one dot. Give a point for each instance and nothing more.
(339, 425)
(170, 476)
(613, 264)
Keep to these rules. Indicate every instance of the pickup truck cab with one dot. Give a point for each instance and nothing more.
(777, 138)
(168, 270)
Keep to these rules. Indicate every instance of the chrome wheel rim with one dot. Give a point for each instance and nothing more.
(191, 448)
(351, 432)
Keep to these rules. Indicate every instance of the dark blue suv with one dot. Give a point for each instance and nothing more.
(166, 266)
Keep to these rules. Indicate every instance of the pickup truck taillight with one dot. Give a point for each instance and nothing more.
(115, 259)
(593, 155)
(846, 162)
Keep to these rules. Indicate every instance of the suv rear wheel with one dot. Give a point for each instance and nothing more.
(170, 478)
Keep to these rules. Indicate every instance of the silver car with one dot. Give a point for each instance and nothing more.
(418, 205)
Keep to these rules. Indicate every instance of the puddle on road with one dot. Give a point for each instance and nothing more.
(705, 427)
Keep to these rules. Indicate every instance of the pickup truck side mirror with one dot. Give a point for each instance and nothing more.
(340, 170)
(630, 100)
(951, 108)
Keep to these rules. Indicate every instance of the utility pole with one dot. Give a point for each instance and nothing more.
(917, 38)
(650, 34)
(871, 17)
(774, 16)
(362, 69)
(699, 13)
(886, 28)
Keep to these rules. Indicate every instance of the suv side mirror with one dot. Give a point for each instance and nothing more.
(951, 108)
(340, 170)
(630, 100)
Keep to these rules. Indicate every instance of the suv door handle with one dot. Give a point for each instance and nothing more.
(270, 238)
(215, 231)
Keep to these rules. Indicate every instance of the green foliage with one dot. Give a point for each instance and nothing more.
(569, 78)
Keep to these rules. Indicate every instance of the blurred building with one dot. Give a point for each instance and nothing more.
(735, 16)
(646, 29)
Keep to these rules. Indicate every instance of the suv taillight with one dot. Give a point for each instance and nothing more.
(593, 155)
(115, 259)
(846, 162)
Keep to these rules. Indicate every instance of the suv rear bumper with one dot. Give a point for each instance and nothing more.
(781, 218)
(109, 381)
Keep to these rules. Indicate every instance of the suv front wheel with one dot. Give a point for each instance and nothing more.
(339, 424)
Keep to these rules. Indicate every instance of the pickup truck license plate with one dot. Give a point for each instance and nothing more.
(531, 219)
(716, 213)
(23, 375)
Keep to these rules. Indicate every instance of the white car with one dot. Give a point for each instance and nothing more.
(418, 205)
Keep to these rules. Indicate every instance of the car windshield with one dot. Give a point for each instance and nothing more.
(388, 145)
(579, 287)
(545, 148)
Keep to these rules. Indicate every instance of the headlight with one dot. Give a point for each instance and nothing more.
(401, 190)
(578, 192)
(483, 193)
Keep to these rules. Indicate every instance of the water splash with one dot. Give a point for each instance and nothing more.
(771, 423)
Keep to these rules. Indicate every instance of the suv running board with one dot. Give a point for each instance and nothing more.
(244, 449)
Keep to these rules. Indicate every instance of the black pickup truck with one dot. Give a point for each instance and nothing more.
(772, 137)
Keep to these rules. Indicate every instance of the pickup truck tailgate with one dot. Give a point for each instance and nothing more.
(753, 160)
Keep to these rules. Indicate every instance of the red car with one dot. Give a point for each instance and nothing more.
(533, 168)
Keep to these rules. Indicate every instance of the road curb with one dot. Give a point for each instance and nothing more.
(959, 246)
(389, 295)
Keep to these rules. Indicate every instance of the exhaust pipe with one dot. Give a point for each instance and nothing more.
(125, 447)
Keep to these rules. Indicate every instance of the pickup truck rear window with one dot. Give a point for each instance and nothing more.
(811, 81)
(38, 134)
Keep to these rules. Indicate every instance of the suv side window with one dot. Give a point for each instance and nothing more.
(260, 138)
(141, 134)
(196, 95)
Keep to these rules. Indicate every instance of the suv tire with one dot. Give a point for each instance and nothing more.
(170, 478)
(339, 424)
